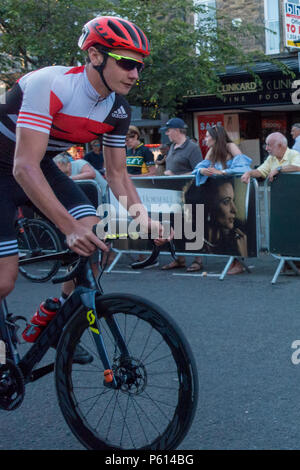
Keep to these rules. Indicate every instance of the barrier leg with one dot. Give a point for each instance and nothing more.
(279, 268)
(228, 264)
(109, 269)
(293, 266)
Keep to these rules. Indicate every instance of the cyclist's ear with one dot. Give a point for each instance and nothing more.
(95, 56)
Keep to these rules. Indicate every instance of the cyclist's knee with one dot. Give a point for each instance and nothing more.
(8, 275)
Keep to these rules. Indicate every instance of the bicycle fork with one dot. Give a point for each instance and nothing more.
(88, 299)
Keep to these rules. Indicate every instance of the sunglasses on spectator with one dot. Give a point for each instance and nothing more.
(127, 63)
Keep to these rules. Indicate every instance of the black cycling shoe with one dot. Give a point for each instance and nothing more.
(82, 356)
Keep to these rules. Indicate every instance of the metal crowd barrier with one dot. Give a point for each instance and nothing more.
(169, 189)
(282, 201)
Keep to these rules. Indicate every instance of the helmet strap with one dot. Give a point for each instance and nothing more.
(100, 69)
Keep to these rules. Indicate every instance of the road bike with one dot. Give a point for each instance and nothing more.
(141, 389)
(37, 237)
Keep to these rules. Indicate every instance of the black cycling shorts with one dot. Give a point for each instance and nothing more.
(12, 196)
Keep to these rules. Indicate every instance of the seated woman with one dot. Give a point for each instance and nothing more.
(224, 158)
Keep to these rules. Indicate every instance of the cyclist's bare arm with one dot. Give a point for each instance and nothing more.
(31, 146)
(120, 183)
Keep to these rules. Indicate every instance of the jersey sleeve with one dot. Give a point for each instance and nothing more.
(40, 102)
(120, 117)
(149, 157)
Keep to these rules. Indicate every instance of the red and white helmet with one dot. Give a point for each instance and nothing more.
(114, 33)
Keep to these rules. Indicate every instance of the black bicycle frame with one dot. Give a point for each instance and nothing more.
(82, 297)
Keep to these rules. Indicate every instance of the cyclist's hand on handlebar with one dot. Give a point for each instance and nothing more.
(83, 241)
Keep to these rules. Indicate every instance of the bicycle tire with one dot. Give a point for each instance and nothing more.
(136, 414)
(40, 238)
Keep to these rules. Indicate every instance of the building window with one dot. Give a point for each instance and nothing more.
(206, 18)
(272, 23)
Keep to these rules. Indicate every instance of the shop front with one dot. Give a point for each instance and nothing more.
(249, 110)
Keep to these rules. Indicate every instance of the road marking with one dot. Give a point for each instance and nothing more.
(123, 272)
(197, 275)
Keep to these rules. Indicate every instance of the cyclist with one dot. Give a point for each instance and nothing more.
(49, 110)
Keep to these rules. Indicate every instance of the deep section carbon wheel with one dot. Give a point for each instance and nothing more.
(153, 401)
(36, 238)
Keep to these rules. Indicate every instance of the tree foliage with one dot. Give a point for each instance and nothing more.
(36, 33)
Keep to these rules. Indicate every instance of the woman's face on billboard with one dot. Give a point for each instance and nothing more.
(226, 210)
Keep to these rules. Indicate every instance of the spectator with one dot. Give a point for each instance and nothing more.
(140, 160)
(161, 159)
(95, 157)
(80, 170)
(280, 159)
(182, 158)
(295, 132)
(223, 158)
(184, 154)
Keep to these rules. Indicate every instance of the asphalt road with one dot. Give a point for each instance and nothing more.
(241, 331)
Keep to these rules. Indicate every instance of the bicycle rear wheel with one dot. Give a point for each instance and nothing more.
(36, 238)
(155, 402)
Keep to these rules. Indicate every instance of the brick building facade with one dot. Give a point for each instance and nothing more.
(250, 111)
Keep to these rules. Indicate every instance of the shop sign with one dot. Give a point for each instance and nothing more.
(236, 93)
(292, 24)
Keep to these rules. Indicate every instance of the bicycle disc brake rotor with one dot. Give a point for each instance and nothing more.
(12, 388)
(131, 375)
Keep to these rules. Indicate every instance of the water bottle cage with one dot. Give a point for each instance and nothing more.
(11, 322)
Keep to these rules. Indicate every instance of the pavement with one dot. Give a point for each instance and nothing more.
(245, 335)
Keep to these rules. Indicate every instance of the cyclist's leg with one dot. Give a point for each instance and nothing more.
(73, 199)
(10, 192)
(8, 274)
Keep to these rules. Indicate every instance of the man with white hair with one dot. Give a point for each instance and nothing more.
(280, 159)
(295, 133)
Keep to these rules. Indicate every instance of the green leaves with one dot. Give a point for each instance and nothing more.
(185, 55)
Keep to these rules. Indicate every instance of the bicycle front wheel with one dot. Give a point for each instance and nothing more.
(153, 405)
(36, 238)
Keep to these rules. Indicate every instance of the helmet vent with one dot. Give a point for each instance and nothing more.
(131, 33)
(116, 29)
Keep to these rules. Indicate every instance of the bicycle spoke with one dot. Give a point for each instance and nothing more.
(143, 406)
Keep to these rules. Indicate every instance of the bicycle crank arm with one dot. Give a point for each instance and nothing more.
(38, 373)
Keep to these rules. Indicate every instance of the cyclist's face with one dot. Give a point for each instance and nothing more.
(121, 81)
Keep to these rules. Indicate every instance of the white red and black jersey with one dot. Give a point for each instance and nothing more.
(60, 101)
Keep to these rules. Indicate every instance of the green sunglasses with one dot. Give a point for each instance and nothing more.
(127, 63)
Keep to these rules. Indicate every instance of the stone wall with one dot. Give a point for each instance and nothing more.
(251, 11)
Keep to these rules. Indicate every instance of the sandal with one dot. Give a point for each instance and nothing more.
(236, 268)
(195, 266)
(173, 265)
